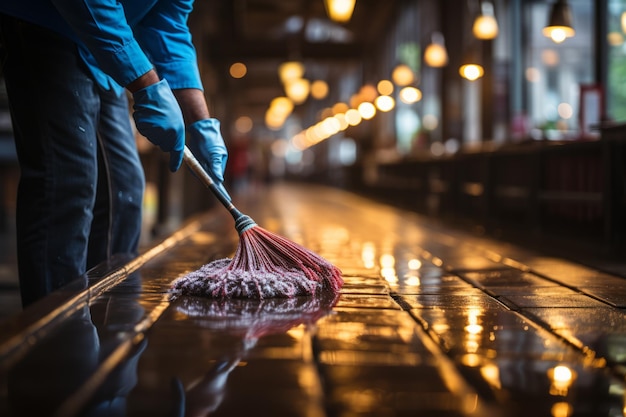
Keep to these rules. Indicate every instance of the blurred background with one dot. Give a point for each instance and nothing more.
(504, 115)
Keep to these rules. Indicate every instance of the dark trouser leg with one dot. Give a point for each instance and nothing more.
(117, 216)
(54, 106)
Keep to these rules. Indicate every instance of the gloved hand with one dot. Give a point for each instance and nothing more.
(207, 145)
(159, 118)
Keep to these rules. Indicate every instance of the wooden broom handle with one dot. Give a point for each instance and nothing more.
(242, 221)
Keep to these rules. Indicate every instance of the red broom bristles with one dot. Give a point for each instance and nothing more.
(265, 265)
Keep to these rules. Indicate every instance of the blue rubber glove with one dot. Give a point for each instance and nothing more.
(207, 145)
(159, 118)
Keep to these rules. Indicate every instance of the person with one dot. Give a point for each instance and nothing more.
(66, 66)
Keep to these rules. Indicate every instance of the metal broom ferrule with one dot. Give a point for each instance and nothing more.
(243, 223)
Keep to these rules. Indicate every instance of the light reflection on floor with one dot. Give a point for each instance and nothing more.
(429, 322)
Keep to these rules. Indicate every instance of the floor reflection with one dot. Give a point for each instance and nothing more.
(57, 376)
(218, 337)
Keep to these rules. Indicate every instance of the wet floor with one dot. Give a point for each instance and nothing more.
(430, 322)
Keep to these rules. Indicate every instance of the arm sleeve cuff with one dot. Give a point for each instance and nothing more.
(181, 74)
(127, 63)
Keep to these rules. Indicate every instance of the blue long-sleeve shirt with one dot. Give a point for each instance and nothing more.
(120, 40)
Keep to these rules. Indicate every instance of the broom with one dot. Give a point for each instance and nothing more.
(264, 265)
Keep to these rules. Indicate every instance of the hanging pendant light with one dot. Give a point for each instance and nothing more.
(471, 72)
(290, 70)
(319, 89)
(471, 69)
(402, 75)
(485, 25)
(560, 25)
(298, 90)
(340, 10)
(410, 95)
(435, 54)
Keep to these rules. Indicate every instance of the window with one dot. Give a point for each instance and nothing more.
(616, 60)
(554, 72)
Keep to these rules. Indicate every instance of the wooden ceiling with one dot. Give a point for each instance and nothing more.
(264, 33)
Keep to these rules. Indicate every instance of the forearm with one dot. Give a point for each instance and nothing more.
(144, 81)
(193, 104)
(204, 137)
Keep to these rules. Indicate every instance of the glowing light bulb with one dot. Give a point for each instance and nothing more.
(471, 72)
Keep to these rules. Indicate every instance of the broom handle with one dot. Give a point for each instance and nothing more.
(195, 166)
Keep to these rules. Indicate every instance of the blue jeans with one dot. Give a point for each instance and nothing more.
(81, 185)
